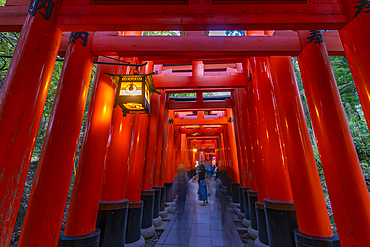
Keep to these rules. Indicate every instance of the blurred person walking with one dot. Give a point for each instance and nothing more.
(181, 187)
(209, 174)
(202, 190)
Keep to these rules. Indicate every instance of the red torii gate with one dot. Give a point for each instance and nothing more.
(22, 103)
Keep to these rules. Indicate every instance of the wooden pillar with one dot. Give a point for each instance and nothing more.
(84, 204)
(118, 150)
(169, 148)
(355, 38)
(346, 184)
(151, 148)
(45, 210)
(309, 199)
(273, 151)
(159, 142)
(232, 147)
(137, 156)
(22, 100)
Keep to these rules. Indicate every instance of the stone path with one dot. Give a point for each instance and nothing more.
(203, 226)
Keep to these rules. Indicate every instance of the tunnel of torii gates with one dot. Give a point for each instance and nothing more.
(257, 133)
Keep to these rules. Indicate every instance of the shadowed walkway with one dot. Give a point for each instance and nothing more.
(201, 225)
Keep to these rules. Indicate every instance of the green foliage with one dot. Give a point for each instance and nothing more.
(235, 33)
(160, 33)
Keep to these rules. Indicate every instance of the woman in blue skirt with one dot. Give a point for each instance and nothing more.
(202, 191)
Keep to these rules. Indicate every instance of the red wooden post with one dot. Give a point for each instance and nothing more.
(159, 142)
(343, 174)
(152, 136)
(278, 207)
(84, 205)
(273, 151)
(312, 214)
(240, 122)
(355, 38)
(46, 205)
(234, 158)
(22, 100)
(168, 179)
(135, 177)
(118, 151)
(238, 142)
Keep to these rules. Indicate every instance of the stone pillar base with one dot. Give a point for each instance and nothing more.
(241, 215)
(252, 233)
(157, 222)
(138, 243)
(246, 222)
(88, 240)
(148, 232)
(163, 214)
(258, 243)
(302, 239)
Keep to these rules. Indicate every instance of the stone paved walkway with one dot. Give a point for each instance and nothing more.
(201, 225)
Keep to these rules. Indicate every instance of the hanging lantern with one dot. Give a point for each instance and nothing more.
(133, 92)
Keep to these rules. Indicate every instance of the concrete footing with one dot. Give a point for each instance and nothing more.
(157, 222)
(241, 215)
(148, 232)
(139, 243)
(258, 243)
(163, 214)
(236, 210)
(246, 222)
(252, 233)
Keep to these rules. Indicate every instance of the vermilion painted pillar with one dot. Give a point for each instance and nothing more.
(244, 111)
(255, 135)
(278, 208)
(238, 143)
(113, 207)
(135, 177)
(152, 137)
(118, 151)
(234, 158)
(168, 179)
(309, 199)
(150, 194)
(22, 100)
(355, 38)
(159, 142)
(45, 210)
(117, 157)
(232, 147)
(84, 204)
(345, 181)
(239, 111)
(273, 151)
(183, 149)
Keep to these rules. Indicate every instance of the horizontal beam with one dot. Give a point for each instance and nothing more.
(156, 48)
(203, 137)
(194, 106)
(271, 16)
(232, 81)
(203, 130)
(215, 121)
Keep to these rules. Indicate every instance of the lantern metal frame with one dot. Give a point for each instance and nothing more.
(130, 103)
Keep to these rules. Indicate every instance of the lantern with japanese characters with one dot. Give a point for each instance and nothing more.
(133, 92)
